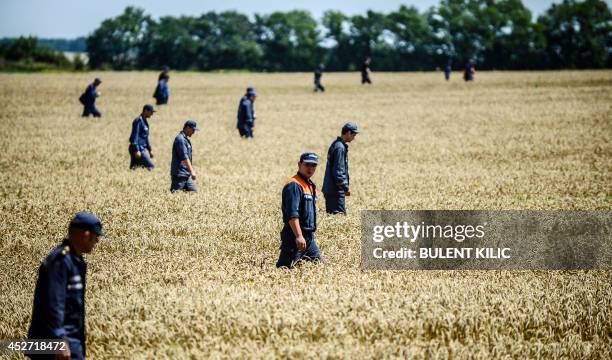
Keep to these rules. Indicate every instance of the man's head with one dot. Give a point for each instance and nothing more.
(97, 81)
(147, 111)
(349, 131)
(308, 164)
(190, 127)
(251, 94)
(84, 231)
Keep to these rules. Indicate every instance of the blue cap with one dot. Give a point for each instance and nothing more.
(148, 107)
(87, 221)
(350, 126)
(309, 158)
(192, 124)
(251, 91)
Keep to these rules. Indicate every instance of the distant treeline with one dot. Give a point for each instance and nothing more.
(29, 54)
(498, 34)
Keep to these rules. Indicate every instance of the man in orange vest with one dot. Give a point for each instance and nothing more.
(300, 215)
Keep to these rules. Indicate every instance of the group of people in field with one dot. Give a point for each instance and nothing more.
(58, 312)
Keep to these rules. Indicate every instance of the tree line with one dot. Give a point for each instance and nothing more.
(497, 34)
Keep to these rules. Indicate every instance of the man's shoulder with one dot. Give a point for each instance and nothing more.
(58, 254)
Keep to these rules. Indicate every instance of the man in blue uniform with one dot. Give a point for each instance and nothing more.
(88, 99)
(470, 70)
(318, 73)
(140, 149)
(59, 298)
(182, 172)
(162, 91)
(365, 71)
(448, 70)
(300, 215)
(336, 181)
(246, 114)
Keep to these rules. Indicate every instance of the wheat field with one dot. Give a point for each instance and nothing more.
(193, 276)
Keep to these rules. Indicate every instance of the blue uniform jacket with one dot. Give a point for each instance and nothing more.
(181, 150)
(246, 113)
(90, 95)
(59, 299)
(140, 134)
(336, 179)
(299, 201)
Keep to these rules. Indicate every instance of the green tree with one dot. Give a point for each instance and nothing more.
(578, 34)
(117, 41)
(290, 40)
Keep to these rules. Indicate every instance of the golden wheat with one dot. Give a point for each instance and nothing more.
(193, 275)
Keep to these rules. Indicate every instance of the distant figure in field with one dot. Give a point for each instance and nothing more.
(162, 91)
(182, 172)
(246, 114)
(59, 298)
(365, 71)
(448, 70)
(318, 73)
(140, 149)
(470, 70)
(299, 209)
(88, 99)
(336, 181)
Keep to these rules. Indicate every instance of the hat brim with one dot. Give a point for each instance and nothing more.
(310, 162)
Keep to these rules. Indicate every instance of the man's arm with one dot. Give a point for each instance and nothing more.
(339, 170)
(185, 160)
(189, 167)
(291, 207)
(300, 242)
(53, 279)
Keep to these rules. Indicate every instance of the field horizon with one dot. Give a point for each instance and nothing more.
(192, 275)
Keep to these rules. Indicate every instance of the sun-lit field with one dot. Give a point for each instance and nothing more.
(193, 275)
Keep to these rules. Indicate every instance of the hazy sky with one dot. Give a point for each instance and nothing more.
(72, 18)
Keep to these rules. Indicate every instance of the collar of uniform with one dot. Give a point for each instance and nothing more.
(308, 181)
(342, 141)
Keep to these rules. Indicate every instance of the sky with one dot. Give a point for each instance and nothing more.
(73, 18)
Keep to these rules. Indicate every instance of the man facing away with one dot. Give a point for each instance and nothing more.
(299, 209)
(336, 181)
(88, 99)
(140, 148)
(59, 299)
(182, 173)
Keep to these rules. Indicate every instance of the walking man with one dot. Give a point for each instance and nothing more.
(140, 149)
(336, 181)
(59, 298)
(318, 73)
(470, 70)
(182, 172)
(246, 114)
(365, 71)
(162, 92)
(300, 215)
(88, 99)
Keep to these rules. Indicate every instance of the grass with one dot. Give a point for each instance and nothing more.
(193, 276)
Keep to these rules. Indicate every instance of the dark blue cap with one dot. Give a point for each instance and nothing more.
(350, 126)
(309, 158)
(87, 221)
(148, 107)
(251, 91)
(192, 124)
(97, 80)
